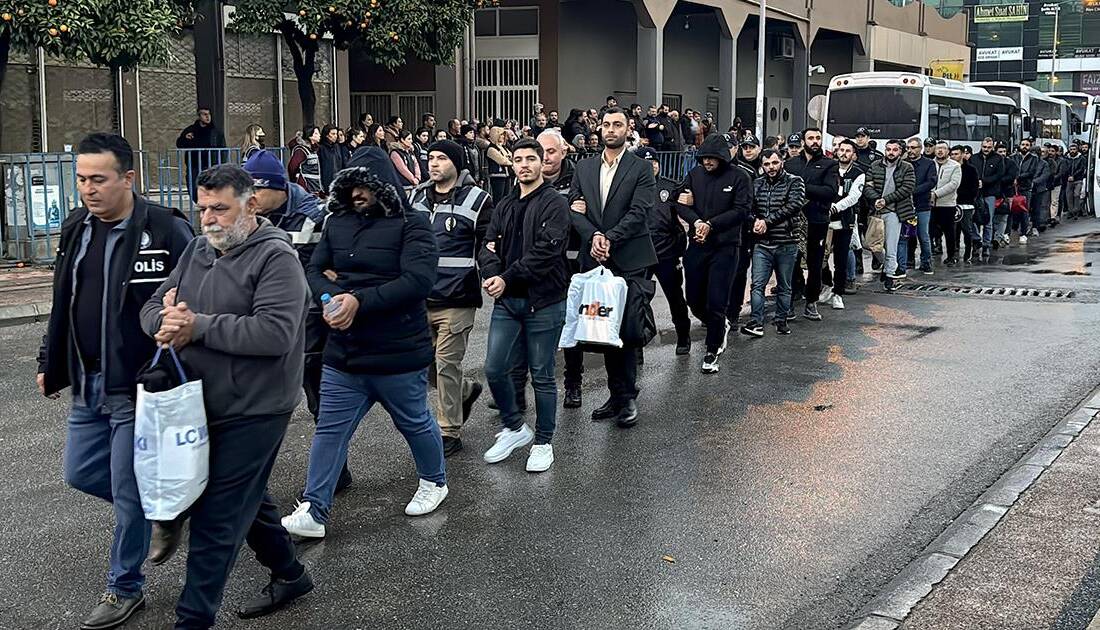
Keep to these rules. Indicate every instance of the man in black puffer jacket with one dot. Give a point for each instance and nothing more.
(384, 258)
(714, 199)
(777, 214)
(821, 176)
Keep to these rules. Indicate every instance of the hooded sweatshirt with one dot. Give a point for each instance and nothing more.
(723, 197)
(250, 306)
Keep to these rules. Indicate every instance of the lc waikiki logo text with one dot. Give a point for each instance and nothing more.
(595, 309)
(182, 437)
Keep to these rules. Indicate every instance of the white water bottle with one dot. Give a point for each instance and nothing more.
(329, 305)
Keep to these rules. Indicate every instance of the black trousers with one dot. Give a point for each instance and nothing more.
(670, 275)
(943, 218)
(740, 280)
(622, 363)
(815, 258)
(842, 243)
(709, 274)
(234, 508)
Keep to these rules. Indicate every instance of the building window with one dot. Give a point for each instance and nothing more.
(506, 22)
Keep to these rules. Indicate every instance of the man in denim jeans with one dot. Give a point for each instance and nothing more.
(778, 198)
(889, 188)
(525, 269)
(991, 172)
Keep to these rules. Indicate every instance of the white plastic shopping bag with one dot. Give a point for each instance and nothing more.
(594, 309)
(171, 447)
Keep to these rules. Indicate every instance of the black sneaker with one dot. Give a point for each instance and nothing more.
(468, 404)
(752, 330)
(781, 327)
(890, 285)
(683, 346)
(811, 313)
(572, 399)
(898, 274)
(277, 594)
(951, 262)
(451, 445)
(710, 364)
(876, 264)
(112, 610)
(926, 269)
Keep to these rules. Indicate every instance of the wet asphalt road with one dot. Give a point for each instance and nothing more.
(787, 489)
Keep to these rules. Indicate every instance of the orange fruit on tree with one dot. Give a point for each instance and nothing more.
(63, 28)
(53, 32)
(6, 17)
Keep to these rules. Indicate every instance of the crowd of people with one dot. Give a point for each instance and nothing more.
(327, 276)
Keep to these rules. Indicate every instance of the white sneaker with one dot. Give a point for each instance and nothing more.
(301, 523)
(710, 364)
(427, 498)
(1023, 240)
(725, 338)
(837, 303)
(826, 295)
(541, 457)
(508, 441)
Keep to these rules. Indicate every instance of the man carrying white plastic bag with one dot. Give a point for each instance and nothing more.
(594, 310)
(171, 450)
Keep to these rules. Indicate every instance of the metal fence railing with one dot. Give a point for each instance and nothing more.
(39, 189)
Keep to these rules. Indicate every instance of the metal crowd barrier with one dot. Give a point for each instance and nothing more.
(39, 190)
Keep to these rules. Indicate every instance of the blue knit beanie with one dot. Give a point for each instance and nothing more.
(266, 170)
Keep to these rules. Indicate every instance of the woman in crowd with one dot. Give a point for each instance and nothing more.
(421, 141)
(500, 163)
(355, 139)
(331, 155)
(376, 137)
(403, 159)
(305, 167)
(252, 142)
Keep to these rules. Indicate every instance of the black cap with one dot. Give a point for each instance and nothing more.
(862, 131)
(750, 139)
(646, 153)
(794, 139)
(929, 142)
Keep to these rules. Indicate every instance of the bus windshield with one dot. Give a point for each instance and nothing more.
(1004, 90)
(886, 112)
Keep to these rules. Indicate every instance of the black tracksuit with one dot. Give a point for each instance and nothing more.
(723, 198)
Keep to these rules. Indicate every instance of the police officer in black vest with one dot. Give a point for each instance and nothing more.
(113, 254)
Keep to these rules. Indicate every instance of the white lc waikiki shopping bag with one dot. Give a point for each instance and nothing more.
(594, 309)
(171, 447)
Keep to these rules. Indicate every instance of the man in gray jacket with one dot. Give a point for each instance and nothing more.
(944, 199)
(234, 308)
(889, 188)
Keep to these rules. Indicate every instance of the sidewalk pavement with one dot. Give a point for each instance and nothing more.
(25, 294)
(1039, 564)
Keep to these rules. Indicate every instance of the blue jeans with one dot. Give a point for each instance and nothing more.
(987, 230)
(99, 460)
(765, 260)
(345, 400)
(924, 218)
(513, 329)
(852, 264)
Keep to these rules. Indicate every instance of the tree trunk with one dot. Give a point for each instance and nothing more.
(303, 53)
(5, 52)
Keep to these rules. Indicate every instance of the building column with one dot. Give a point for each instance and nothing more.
(727, 80)
(800, 97)
(210, 59)
(651, 65)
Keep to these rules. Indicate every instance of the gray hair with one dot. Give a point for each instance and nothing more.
(555, 135)
(227, 176)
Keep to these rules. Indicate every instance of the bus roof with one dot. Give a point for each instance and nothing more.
(1027, 90)
(910, 79)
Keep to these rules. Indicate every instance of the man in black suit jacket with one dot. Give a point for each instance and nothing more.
(611, 197)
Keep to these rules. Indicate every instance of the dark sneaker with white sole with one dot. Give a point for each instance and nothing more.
(752, 330)
(112, 611)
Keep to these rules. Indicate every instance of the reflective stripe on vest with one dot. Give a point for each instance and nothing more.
(455, 262)
(308, 235)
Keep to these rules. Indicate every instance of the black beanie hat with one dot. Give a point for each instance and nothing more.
(451, 150)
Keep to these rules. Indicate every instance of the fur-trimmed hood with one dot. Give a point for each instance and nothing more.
(371, 168)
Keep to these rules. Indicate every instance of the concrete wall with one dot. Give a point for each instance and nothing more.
(835, 53)
(596, 56)
(691, 58)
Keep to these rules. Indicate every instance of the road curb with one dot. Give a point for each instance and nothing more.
(892, 605)
(17, 314)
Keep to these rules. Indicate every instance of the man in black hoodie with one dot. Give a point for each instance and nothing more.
(524, 268)
(197, 140)
(821, 176)
(714, 200)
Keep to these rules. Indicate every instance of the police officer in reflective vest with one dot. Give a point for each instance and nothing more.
(459, 212)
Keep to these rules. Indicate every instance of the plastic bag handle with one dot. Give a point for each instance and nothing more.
(175, 359)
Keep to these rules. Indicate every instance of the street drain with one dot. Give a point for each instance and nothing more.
(1002, 292)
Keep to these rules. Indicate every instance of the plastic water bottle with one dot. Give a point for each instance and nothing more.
(330, 305)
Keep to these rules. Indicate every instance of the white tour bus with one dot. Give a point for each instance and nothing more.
(1046, 119)
(901, 105)
(1080, 117)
